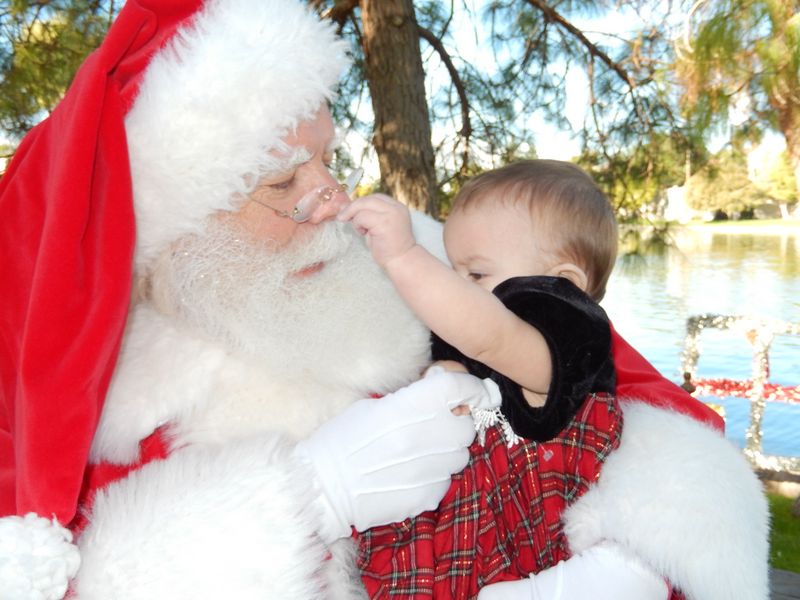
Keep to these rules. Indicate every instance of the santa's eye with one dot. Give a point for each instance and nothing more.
(282, 185)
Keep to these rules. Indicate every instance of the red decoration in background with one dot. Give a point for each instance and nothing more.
(730, 387)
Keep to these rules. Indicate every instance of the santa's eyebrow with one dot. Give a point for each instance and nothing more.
(285, 162)
(297, 157)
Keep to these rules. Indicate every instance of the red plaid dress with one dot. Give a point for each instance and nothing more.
(501, 518)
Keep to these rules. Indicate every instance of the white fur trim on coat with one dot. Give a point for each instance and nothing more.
(214, 102)
(206, 395)
(164, 375)
(235, 521)
(685, 501)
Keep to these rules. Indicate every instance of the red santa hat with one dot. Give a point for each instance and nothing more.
(174, 117)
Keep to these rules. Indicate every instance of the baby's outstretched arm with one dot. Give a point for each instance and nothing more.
(460, 312)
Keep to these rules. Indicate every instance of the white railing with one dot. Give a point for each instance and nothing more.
(760, 333)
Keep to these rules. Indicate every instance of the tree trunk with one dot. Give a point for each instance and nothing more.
(788, 113)
(402, 136)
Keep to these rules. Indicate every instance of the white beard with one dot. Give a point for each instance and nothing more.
(343, 326)
(242, 347)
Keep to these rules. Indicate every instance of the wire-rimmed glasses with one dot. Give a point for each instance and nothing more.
(312, 200)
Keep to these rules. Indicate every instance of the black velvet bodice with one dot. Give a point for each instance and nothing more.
(578, 334)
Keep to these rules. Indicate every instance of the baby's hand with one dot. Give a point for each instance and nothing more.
(385, 222)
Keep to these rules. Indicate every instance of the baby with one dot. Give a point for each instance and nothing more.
(532, 246)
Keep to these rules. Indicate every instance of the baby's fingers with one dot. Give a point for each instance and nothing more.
(366, 203)
(365, 220)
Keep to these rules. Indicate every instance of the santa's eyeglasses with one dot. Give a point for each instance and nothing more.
(311, 201)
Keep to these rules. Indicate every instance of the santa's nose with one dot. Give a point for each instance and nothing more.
(331, 206)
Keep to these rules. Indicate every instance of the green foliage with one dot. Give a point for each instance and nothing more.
(42, 46)
(784, 539)
(635, 181)
(635, 141)
(540, 49)
(741, 65)
(777, 180)
(723, 185)
(481, 110)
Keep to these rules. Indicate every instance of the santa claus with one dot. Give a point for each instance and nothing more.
(190, 344)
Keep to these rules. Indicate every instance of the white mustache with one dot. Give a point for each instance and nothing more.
(329, 242)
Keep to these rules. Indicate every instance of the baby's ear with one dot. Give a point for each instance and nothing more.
(572, 272)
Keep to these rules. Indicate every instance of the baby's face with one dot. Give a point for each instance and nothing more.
(491, 243)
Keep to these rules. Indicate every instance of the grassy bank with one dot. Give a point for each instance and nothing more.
(761, 226)
(784, 543)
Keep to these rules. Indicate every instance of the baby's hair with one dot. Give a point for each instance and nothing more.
(564, 202)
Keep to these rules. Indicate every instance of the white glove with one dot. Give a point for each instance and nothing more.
(383, 460)
(603, 572)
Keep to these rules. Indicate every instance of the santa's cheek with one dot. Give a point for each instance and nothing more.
(261, 224)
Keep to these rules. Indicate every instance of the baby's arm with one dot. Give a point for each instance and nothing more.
(460, 312)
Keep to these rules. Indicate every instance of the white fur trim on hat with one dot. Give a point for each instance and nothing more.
(37, 558)
(212, 104)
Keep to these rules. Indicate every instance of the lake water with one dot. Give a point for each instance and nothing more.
(650, 298)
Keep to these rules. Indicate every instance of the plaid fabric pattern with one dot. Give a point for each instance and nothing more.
(501, 518)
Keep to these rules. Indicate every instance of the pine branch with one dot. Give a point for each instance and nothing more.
(552, 16)
(466, 125)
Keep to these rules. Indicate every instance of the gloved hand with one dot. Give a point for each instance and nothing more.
(383, 460)
(603, 572)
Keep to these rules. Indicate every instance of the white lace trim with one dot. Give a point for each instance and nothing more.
(489, 417)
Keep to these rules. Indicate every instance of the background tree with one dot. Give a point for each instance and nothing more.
(42, 45)
(402, 131)
(723, 186)
(481, 113)
(631, 134)
(776, 179)
(408, 68)
(636, 180)
(437, 115)
(739, 61)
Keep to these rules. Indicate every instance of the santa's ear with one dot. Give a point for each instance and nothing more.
(572, 272)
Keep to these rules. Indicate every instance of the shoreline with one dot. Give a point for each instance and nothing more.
(748, 227)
